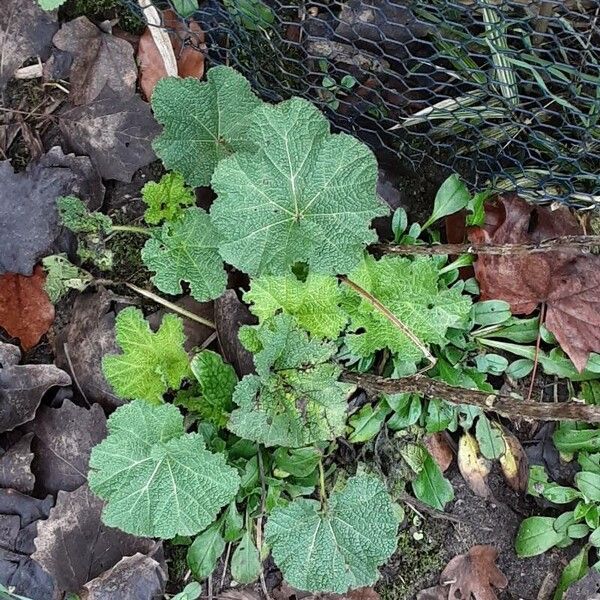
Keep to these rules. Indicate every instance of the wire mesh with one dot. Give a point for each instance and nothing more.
(506, 93)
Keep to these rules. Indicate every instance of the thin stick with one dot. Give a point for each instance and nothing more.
(227, 553)
(131, 229)
(322, 491)
(186, 313)
(68, 357)
(536, 360)
(567, 242)
(390, 316)
(259, 521)
(502, 404)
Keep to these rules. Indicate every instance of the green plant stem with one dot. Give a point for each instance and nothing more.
(322, 491)
(390, 316)
(159, 300)
(131, 229)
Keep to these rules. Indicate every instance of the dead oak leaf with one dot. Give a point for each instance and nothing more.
(473, 575)
(25, 309)
(115, 132)
(566, 281)
(187, 38)
(23, 386)
(100, 59)
(26, 30)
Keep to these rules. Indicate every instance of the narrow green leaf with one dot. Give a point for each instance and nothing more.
(430, 485)
(519, 368)
(491, 312)
(572, 440)
(574, 571)
(299, 462)
(407, 410)
(233, 524)
(205, 551)
(245, 562)
(367, 422)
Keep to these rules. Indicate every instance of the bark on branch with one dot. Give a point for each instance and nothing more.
(568, 242)
(502, 404)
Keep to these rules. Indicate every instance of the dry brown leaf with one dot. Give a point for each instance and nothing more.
(25, 309)
(514, 463)
(474, 574)
(188, 44)
(284, 591)
(437, 445)
(566, 281)
(100, 60)
(473, 467)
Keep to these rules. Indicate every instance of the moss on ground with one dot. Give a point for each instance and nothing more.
(418, 561)
(101, 10)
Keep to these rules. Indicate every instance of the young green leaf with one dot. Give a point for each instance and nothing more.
(353, 536)
(567, 439)
(166, 198)
(151, 363)
(589, 485)
(217, 382)
(75, 216)
(576, 569)
(62, 276)
(204, 122)
(367, 422)
(412, 291)
(407, 410)
(205, 551)
(314, 303)
(430, 485)
(233, 524)
(186, 250)
(535, 536)
(51, 4)
(157, 480)
(185, 8)
(491, 312)
(299, 462)
(452, 196)
(295, 399)
(191, 591)
(304, 190)
(245, 562)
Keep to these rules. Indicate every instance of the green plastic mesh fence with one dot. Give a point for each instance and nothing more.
(506, 93)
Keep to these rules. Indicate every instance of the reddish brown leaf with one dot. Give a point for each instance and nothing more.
(567, 281)
(437, 445)
(474, 574)
(188, 44)
(25, 309)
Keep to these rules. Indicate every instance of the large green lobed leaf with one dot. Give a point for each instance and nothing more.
(151, 363)
(186, 250)
(413, 292)
(295, 399)
(157, 480)
(204, 122)
(305, 196)
(337, 549)
(314, 303)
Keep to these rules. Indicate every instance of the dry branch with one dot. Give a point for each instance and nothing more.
(502, 404)
(568, 242)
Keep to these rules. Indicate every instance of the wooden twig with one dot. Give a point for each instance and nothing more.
(567, 242)
(390, 316)
(502, 404)
(160, 36)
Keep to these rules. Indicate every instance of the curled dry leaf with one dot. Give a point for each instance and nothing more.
(187, 38)
(23, 386)
(74, 546)
(437, 445)
(15, 466)
(566, 281)
(64, 438)
(514, 463)
(100, 60)
(473, 467)
(25, 309)
(136, 576)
